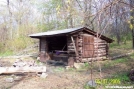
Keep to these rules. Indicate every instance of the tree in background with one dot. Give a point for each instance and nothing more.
(22, 17)
(132, 19)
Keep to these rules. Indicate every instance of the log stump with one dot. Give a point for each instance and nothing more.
(44, 56)
(71, 61)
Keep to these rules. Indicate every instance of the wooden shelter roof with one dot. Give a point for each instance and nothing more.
(70, 30)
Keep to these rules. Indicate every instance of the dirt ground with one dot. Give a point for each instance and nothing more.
(58, 77)
(61, 78)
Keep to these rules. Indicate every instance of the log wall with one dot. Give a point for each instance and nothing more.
(43, 50)
(70, 46)
(100, 48)
(77, 37)
(43, 44)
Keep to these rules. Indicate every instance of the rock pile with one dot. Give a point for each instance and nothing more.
(21, 63)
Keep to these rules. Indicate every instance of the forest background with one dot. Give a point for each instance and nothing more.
(19, 18)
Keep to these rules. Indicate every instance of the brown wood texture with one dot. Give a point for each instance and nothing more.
(43, 44)
(70, 46)
(88, 46)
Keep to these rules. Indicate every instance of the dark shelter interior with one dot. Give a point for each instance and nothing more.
(57, 47)
(57, 43)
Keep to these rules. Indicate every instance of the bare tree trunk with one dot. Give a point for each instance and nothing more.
(117, 28)
(132, 20)
(10, 14)
(87, 13)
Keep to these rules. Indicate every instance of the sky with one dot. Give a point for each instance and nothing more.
(2, 2)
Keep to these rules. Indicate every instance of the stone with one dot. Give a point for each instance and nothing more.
(71, 61)
(67, 67)
(91, 83)
(78, 65)
(16, 78)
(43, 75)
(10, 80)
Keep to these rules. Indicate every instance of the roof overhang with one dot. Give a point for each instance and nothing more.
(71, 30)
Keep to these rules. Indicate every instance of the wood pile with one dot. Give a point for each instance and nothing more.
(21, 63)
(23, 67)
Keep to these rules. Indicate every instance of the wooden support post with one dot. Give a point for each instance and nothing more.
(74, 46)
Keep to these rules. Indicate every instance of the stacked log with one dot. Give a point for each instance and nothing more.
(70, 45)
(100, 47)
(79, 46)
(93, 59)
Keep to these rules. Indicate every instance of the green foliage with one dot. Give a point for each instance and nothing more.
(86, 86)
(128, 45)
(107, 65)
(18, 44)
(86, 64)
(71, 69)
(59, 69)
(121, 60)
(122, 76)
(6, 53)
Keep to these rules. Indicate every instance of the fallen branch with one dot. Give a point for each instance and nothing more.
(119, 56)
(10, 70)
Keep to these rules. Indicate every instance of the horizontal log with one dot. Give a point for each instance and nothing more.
(99, 49)
(122, 55)
(99, 52)
(99, 43)
(101, 46)
(70, 47)
(79, 51)
(10, 70)
(93, 59)
(97, 38)
(70, 44)
(99, 55)
(71, 50)
(80, 40)
(95, 43)
(80, 48)
(80, 45)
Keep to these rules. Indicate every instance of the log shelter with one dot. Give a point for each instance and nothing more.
(75, 44)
